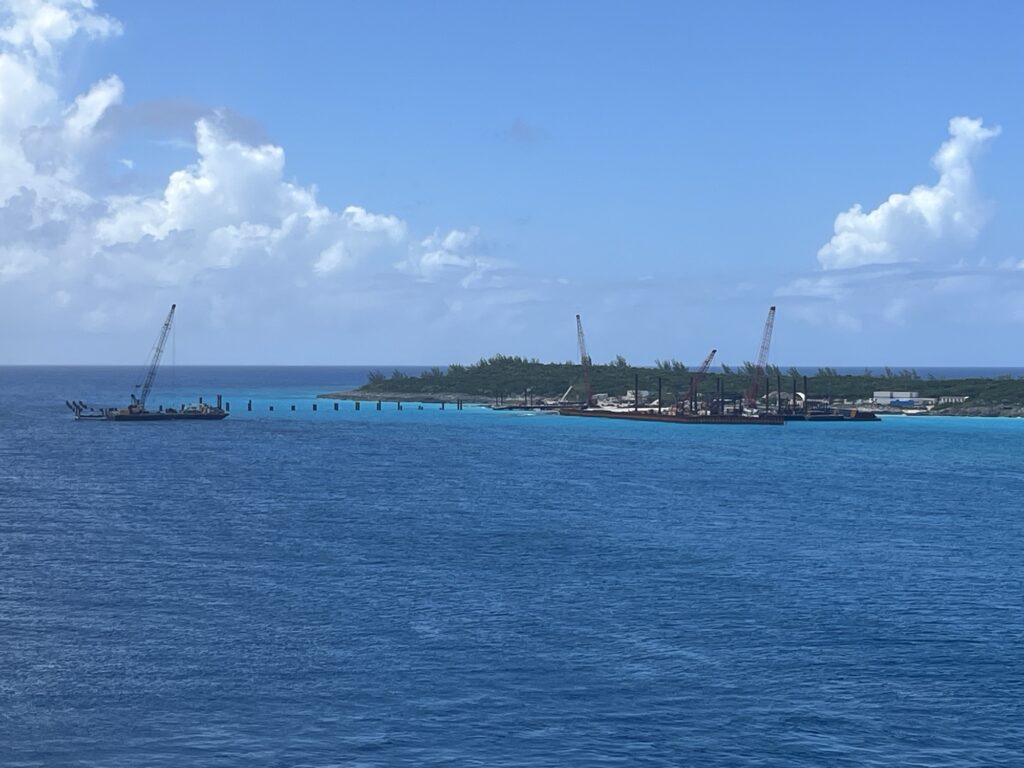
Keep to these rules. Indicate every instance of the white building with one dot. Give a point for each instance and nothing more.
(900, 398)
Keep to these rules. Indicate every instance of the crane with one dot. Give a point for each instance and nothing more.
(697, 378)
(139, 402)
(588, 390)
(762, 358)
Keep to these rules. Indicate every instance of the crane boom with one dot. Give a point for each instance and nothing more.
(698, 377)
(762, 358)
(154, 362)
(588, 391)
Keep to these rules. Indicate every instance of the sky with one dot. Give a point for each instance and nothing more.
(426, 183)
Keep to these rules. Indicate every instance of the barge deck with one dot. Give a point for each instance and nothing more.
(764, 420)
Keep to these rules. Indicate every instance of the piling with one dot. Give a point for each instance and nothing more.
(357, 405)
(806, 405)
(659, 394)
(271, 407)
(636, 391)
(220, 401)
(293, 407)
(442, 405)
(314, 406)
(248, 407)
(200, 401)
(399, 405)
(335, 405)
(227, 406)
(378, 405)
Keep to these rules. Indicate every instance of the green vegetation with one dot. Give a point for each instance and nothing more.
(510, 377)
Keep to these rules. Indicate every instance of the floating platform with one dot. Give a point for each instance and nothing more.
(201, 412)
(844, 415)
(597, 413)
(526, 407)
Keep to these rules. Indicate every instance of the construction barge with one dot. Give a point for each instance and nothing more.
(671, 418)
(200, 412)
(136, 410)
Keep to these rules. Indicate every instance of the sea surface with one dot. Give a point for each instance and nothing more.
(477, 588)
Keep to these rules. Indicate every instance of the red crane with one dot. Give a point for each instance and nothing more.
(697, 378)
(585, 363)
(762, 358)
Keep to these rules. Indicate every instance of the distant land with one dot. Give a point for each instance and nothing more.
(510, 377)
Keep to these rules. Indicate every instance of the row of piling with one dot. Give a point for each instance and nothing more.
(221, 403)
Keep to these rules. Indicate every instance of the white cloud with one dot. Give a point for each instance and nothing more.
(229, 229)
(41, 141)
(927, 221)
(908, 262)
(39, 27)
(332, 258)
(437, 255)
(233, 206)
(81, 118)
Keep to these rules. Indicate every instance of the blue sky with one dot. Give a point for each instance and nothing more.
(425, 183)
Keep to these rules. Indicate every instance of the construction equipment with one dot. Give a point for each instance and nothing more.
(696, 379)
(762, 360)
(136, 410)
(562, 398)
(139, 401)
(588, 393)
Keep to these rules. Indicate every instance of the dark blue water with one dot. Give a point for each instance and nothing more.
(497, 589)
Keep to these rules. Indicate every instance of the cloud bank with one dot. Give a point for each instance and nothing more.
(227, 225)
(926, 222)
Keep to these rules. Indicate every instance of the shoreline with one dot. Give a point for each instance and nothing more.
(1003, 410)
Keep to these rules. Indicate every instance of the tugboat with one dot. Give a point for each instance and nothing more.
(136, 410)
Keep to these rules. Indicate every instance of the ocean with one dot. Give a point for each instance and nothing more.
(478, 588)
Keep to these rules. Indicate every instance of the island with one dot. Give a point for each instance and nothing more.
(505, 380)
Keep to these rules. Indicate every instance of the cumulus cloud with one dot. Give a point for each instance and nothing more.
(38, 27)
(927, 220)
(233, 206)
(437, 253)
(71, 245)
(907, 265)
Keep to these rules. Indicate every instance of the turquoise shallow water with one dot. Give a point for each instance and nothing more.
(479, 588)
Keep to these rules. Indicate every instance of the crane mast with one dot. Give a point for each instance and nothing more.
(154, 363)
(697, 378)
(588, 391)
(762, 358)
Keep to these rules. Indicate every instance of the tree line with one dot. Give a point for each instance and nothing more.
(509, 376)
